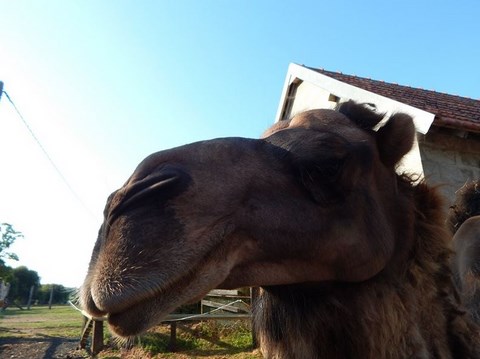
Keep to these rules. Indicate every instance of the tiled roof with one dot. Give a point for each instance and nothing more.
(450, 110)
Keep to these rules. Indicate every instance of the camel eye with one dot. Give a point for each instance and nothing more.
(329, 170)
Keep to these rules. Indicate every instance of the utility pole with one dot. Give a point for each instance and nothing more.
(1, 89)
(30, 296)
(51, 297)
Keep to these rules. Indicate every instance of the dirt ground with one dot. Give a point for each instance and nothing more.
(44, 348)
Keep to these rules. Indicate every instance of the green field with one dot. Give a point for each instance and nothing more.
(208, 339)
(60, 321)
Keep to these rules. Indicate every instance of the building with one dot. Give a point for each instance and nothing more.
(447, 150)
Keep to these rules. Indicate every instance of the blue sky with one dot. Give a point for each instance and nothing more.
(102, 84)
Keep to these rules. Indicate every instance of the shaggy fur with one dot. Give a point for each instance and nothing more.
(412, 311)
(466, 205)
(464, 222)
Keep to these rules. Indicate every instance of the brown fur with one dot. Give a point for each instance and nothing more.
(411, 312)
(352, 258)
(464, 222)
(466, 205)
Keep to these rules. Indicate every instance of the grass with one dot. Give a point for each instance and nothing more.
(206, 340)
(60, 321)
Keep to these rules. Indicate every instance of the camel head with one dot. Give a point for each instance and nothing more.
(314, 200)
(466, 205)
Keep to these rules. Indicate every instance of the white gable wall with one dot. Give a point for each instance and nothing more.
(306, 89)
(308, 94)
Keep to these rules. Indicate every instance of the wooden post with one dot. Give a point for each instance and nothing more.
(30, 296)
(97, 338)
(172, 344)
(87, 327)
(51, 298)
(254, 293)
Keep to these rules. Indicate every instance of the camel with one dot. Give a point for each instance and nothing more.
(352, 258)
(464, 223)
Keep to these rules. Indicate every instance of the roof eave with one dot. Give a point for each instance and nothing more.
(457, 124)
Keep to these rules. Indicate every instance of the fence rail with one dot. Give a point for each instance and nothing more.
(94, 326)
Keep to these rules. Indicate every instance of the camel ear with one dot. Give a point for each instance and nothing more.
(395, 139)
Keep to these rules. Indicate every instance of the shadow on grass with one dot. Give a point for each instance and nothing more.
(40, 347)
(203, 340)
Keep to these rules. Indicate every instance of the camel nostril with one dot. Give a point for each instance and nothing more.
(163, 185)
(145, 187)
(134, 193)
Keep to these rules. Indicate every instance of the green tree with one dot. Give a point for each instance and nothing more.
(22, 281)
(8, 237)
(61, 295)
(6, 272)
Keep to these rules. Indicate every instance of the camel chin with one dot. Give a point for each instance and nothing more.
(147, 313)
(144, 313)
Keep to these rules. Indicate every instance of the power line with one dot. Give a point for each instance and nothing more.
(60, 174)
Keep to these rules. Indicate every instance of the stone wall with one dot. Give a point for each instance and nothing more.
(450, 158)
